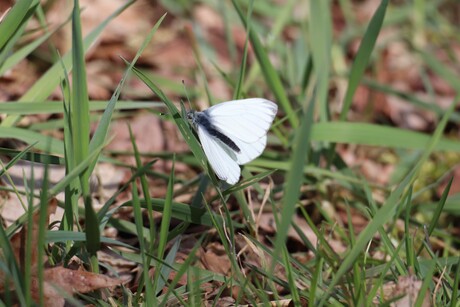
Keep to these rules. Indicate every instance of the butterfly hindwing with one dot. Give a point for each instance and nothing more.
(222, 159)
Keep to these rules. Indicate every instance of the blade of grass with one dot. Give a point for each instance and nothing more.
(79, 121)
(238, 87)
(41, 142)
(269, 72)
(294, 178)
(56, 236)
(376, 135)
(14, 19)
(72, 189)
(362, 56)
(164, 230)
(15, 159)
(31, 156)
(145, 251)
(26, 261)
(12, 59)
(49, 107)
(439, 208)
(427, 280)
(146, 281)
(42, 228)
(437, 212)
(168, 267)
(292, 278)
(455, 287)
(320, 44)
(441, 69)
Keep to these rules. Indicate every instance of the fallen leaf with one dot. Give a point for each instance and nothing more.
(408, 287)
(60, 282)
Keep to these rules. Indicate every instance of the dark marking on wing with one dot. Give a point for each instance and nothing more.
(203, 119)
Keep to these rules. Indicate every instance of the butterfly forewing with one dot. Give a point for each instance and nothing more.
(247, 120)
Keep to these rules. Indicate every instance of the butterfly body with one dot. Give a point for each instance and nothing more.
(203, 119)
(233, 133)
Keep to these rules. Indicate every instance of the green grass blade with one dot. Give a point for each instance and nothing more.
(441, 69)
(32, 156)
(71, 195)
(14, 19)
(439, 208)
(149, 297)
(377, 135)
(22, 53)
(239, 83)
(164, 230)
(292, 278)
(79, 117)
(42, 228)
(185, 213)
(15, 159)
(294, 178)
(74, 236)
(271, 76)
(51, 107)
(79, 106)
(41, 142)
(427, 280)
(320, 42)
(362, 56)
(455, 287)
(167, 268)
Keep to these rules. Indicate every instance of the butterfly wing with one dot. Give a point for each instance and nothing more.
(245, 119)
(249, 151)
(246, 123)
(222, 159)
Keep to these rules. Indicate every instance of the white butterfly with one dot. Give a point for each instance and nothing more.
(233, 133)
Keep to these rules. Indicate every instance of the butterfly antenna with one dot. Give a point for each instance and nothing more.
(186, 95)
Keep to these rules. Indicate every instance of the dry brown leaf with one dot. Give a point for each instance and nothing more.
(455, 187)
(146, 129)
(61, 280)
(277, 303)
(408, 287)
(215, 259)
